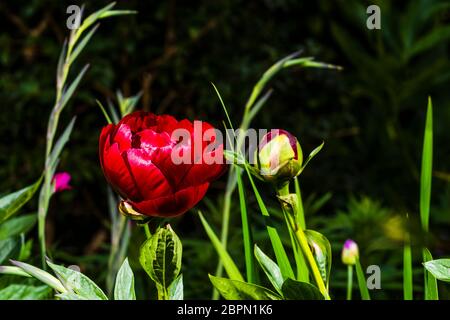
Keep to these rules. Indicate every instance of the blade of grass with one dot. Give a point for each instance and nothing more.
(228, 263)
(246, 231)
(280, 253)
(427, 167)
(362, 281)
(430, 282)
(407, 272)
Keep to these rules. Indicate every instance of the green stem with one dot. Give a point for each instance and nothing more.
(349, 281)
(148, 234)
(303, 243)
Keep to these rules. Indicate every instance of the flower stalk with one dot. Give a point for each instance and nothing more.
(300, 236)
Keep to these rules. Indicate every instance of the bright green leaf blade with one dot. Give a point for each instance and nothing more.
(239, 290)
(362, 284)
(82, 44)
(431, 286)
(176, 291)
(228, 263)
(280, 253)
(12, 202)
(124, 288)
(296, 290)
(77, 282)
(246, 231)
(160, 256)
(407, 272)
(25, 292)
(427, 167)
(270, 268)
(41, 275)
(71, 89)
(16, 226)
(439, 268)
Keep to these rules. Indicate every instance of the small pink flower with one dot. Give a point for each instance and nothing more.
(61, 181)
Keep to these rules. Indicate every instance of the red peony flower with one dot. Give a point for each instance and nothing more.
(141, 155)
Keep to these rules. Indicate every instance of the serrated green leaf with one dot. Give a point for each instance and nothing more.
(439, 268)
(25, 292)
(160, 256)
(77, 282)
(321, 250)
(270, 268)
(16, 226)
(240, 290)
(12, 202)
(296, 290)
(124, 288)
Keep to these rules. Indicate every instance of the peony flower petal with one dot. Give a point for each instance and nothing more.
(173, 205)
(149, 180)
(117, 173)
(123, 137)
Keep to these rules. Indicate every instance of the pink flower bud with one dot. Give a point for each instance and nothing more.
(350, 252)
(61, 181)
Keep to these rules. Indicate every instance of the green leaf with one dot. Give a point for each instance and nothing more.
(82, 44)
(321, 249)
(240, 290)
(246, 231)
(25, 292)
(41, 275)
(160, 256)
(270, 268)
(78, 283)
(228, 263)
(12, 202)
(427, 167)
(6, 247)
(59, 146)
(280, 253)
(176, 289)
(15, 271)
(439, 268)
(71, 89)
(16, 226)
(407, 271)
(431, 286)
(296, 290)
(362, 284)
(124, 288)
(70, 296)
(311, 155)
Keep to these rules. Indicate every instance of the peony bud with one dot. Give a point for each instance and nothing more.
(61, 181)
(279, 156)
(350, 252)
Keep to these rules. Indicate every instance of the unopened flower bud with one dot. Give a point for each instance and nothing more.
(350, 252)
(279, 156)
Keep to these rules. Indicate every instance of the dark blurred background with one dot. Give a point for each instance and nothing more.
(371, 114)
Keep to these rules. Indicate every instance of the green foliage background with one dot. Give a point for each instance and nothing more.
(371, 114)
